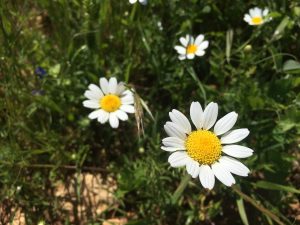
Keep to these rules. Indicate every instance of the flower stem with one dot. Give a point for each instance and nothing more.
(257, 205)
(183, 184)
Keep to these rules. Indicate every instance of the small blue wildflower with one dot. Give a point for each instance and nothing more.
(40, 72)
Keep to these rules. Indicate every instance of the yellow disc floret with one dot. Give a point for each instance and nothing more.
(191, 49)
(110, 103)
(203, 146)
(257, 20)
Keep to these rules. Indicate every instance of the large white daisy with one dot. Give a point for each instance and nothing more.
(111, 101)
(144, 2)
(257, 16)
(190, 47)
(202, 150)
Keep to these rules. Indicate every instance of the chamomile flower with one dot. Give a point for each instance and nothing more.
(257, 16)
(190, 47)
(111, 101)
(144, 2)
(202, 150)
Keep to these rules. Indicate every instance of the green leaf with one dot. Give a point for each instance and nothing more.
(286, 125)
(229, 39)
(6, 25)
(242, 212)
(184, 182)
(280, 28)
(277, 187)
(54, 70)
(291, 66)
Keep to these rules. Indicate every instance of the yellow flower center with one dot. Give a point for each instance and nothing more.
(110, 103)
(203, 146)
(191, 49)
(257, 20)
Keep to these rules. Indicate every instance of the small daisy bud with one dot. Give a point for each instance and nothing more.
(248, 48)
(141, 150)
(73, 156)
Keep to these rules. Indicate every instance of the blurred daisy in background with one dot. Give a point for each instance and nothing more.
(202, 150)
(111, 101)
(144, 2)
(257, 16)
(191, 47)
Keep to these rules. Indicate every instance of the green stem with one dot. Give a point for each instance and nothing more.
(258, 206)
(183, 184)
(192, 72)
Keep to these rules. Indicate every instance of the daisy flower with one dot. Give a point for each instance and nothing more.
(111, 101)
(202, 150)
(257, 16)
(144, 2)
(191, 47)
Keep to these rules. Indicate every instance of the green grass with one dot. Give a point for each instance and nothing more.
(46, 135)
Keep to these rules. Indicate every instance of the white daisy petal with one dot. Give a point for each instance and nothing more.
(113, 120)
(127, 92)
(178, 159)
(191, 39)
(127, 108)
(104, 85)
(237, 151)
(265, 12)
(180, 50)
(143, 2)
(103, 117)
(257, 12)
(225, 123)
(184, 41)
(122, 115)
(235, 136)
(92, 95)
(181, 120)
(92, 104)
(181, 57)
(170, 149)
(199, 39)
(247, 18)
(203, 45)
(200, 52)
(120, 88)
(132, 1)
(210, 115)
(207, 177)
(234, 166)
(188, 38)
(190, 56)
(174, 130)
(196, 114)
(253, 12)
(112, 85)
(173, 142)
(96, 90)
(127, 100)
(222, 174)
(192, 167)
(95, 114)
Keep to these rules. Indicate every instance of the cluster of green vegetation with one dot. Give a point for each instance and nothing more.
(50, 52)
